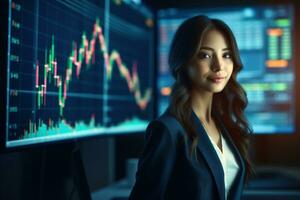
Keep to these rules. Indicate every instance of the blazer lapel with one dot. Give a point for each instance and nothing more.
(207, 150)
(239, 181)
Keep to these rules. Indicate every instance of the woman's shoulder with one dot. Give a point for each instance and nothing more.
(168, 123)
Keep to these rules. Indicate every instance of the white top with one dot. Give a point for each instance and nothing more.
(228, 161)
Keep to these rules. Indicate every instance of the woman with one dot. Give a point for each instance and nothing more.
(197, 150)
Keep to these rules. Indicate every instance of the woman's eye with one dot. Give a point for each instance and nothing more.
(227, 55)
(203, 55)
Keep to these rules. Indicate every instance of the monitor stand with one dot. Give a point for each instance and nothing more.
(79, 175)
(62, 173)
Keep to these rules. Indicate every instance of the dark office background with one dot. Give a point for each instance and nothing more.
(22, 172)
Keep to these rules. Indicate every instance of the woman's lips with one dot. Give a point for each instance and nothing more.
(217, 79)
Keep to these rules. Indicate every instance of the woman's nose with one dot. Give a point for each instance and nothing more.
(217, 64)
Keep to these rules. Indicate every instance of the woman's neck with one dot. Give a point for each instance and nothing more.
(202, 104)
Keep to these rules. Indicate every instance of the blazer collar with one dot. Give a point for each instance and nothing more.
(207, 150)
(239, 181)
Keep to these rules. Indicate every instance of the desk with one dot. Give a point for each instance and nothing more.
(270, 184)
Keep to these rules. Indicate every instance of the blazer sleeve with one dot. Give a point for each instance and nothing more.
(155, 164)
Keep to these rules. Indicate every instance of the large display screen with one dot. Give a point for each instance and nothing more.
(265, 39)
(77, 68)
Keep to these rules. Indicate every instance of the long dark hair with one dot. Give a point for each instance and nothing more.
(229, 103)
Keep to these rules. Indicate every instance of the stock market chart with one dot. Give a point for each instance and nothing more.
(77, 69)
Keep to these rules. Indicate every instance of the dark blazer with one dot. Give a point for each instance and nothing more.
(166, 170)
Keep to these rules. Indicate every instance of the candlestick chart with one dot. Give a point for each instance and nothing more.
(77, 69)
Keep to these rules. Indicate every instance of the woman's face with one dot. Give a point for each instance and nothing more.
(212, 66)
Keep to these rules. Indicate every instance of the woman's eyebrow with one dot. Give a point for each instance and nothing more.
(226, 49)
(211, 49)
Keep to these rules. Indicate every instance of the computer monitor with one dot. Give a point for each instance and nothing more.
(265, 39)
(77, 69)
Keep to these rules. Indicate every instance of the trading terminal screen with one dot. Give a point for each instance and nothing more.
(264, 35)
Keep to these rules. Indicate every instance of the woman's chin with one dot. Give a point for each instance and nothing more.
(217, 89)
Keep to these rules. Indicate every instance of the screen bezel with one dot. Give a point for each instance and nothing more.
(4, 71)
(222, 7)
